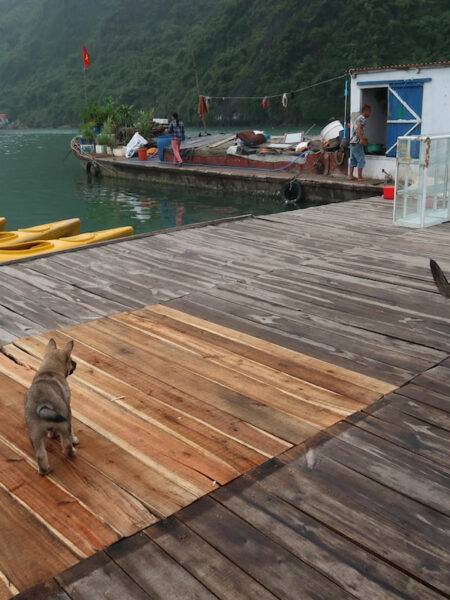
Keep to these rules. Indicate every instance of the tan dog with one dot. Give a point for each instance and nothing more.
(47, 404)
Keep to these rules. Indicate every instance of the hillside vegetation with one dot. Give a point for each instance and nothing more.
(141, 53)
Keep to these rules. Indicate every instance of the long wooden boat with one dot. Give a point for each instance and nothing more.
(321, 174)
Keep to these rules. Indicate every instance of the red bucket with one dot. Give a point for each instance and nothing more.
(388, 192)
(142, 153)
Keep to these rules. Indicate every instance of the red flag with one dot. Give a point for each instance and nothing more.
(86, 58)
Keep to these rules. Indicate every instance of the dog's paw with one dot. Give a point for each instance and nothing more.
(75, 440)
(45, 471)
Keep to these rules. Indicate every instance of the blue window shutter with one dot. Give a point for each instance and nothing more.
(404, 112)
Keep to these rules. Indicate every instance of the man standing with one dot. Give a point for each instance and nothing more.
(357, 143)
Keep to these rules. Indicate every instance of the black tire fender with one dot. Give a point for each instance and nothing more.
(92, 168)
(292, 192)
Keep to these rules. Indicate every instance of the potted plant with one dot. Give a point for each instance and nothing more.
(106, 138)
(102, 142)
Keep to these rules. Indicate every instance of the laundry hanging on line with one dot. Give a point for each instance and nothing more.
(202, 106)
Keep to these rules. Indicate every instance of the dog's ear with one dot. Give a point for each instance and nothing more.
(69, 347)
(51, 345)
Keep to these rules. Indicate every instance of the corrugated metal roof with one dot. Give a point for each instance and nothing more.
(444, 63)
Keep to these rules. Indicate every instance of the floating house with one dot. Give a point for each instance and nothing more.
(406, 100)
(3, 119)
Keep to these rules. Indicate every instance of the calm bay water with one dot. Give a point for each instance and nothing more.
(39, 184)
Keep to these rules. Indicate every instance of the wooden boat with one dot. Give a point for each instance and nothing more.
(38, 247)
(48, 231)
(220, 150)
(2, 223)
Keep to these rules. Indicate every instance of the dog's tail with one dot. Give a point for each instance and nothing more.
(440, 279)
(48, 413)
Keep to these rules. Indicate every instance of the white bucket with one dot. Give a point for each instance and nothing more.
(331, 131)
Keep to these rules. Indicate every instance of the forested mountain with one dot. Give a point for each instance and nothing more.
(142, 53)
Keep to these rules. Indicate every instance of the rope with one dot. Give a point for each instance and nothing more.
(308, 87)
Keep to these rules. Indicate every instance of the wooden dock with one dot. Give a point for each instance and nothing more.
(263, 408)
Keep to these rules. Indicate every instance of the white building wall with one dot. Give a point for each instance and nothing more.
(435, 105)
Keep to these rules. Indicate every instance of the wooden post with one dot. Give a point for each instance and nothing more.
(198, 86)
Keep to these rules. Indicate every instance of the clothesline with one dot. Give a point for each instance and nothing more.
(276, 95)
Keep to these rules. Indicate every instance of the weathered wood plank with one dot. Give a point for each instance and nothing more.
(99, 576)
(367, 496)
(219, 574)
(324, 549)
(406, 431)
(272, 566)
(156, 572)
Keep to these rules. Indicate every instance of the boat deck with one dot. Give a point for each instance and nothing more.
(314, 337)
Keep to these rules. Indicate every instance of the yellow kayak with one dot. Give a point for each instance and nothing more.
(45, 246)
(2, 223)
(49, 231)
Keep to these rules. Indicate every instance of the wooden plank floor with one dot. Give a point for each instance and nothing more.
(359, 511)
(338, 284)
(167, 408)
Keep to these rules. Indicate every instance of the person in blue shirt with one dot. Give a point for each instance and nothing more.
(176, 130)
(357, 143)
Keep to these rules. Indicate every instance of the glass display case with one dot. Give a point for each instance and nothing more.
(422, 181)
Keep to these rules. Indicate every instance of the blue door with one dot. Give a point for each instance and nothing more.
(404, 112)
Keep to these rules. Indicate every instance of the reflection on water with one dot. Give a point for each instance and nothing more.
(149, 207)
(41, 183)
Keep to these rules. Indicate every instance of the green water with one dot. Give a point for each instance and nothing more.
(39, 186)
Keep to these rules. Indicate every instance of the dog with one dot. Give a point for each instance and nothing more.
(47, 404)
(440, 279)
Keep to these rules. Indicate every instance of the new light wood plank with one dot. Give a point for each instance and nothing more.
(179, 400)
(275, 359)
(96, 492)
(316, 416)
(253, 412)
(29, 553)
(150, 444)
(316, 395)
(60, 512)
(284, 353)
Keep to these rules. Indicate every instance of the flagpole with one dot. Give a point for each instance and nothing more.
(84, 80)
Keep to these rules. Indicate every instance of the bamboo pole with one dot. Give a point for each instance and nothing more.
(194, 60)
